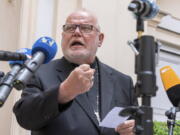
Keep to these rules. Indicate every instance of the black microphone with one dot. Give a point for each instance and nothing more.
(171, 84)
(6, 83)
(43, 50)
(145, 9)
(6, 56)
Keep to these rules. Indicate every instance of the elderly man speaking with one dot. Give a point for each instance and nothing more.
(71, 95)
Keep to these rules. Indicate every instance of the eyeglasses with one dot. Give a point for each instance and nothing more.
(84, 28)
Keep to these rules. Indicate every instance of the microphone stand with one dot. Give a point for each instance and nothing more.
(146, 81)
(171, 114)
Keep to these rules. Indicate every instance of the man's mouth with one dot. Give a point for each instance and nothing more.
(77, 43)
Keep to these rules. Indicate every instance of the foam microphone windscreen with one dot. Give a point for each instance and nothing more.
(46, 45)
(171, 83)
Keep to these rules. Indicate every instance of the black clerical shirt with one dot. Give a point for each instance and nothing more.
(93, 94)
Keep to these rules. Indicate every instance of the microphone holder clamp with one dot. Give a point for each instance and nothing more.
(171, 115)
(143, 118)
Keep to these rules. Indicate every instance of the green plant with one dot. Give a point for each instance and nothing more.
(160, 128)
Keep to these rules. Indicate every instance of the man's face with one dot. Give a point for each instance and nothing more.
(80, 47)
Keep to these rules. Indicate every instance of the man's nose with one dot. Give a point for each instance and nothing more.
(77, 32)
(77, 29)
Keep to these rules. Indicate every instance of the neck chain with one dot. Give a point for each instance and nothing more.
(97, 110)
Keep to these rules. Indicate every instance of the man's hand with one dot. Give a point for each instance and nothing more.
(126, 128)
(79, 81)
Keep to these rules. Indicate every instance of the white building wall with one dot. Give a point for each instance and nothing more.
(44, 22)
(9, 27)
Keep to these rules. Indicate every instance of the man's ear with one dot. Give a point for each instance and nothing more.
(101, 39)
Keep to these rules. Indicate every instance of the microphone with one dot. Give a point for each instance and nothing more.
(6, 56)
(1, 75)
(43, 50)
(171, 84)
(145, 9)
(7, 81)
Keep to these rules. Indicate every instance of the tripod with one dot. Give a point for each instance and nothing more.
(146, 81)
(145, 49)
